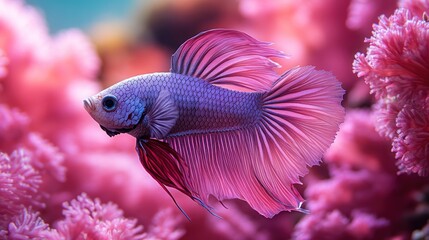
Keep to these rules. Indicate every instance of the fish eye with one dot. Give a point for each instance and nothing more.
(109, 103)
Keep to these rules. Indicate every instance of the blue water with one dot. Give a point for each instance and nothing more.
(80, 13)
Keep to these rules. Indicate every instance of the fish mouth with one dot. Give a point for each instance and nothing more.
(116, 131)
(88, 105)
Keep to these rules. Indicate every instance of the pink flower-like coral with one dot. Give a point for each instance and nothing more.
(90, 219)
(43, 156)
(85, 218)
(28, 225)
(335, 225)
(19, 186)
(412, 143)
(396, 67)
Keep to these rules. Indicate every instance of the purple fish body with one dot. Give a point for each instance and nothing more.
(202, 107)
(223, 123)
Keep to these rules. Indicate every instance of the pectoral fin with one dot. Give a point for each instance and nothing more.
(162, 115)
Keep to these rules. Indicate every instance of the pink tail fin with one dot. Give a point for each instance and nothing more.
(301, 115)
(260, 164)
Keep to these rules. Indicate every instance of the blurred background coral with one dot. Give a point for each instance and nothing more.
(60, 171)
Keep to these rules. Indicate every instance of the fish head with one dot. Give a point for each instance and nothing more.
(118, 109)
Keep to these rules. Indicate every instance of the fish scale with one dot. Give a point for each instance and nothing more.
(202, 107)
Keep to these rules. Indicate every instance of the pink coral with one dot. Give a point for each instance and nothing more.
(164, 226)
(90, 219)
(396, 67)
(14, 133)
(397, 58)
(20, 184)
(362, 188)
(28, 225)
(239, 225)
(417, 7)
(13, 127)
(85, 218)
(53, 73)
(15, 19)
(74, 56)
(335, 225)
(412, 143)
(364, 145)
(3, 62)
(362, 13)
(332, 227)
(348, 189)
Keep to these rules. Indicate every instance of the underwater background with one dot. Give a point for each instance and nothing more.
(62, 177)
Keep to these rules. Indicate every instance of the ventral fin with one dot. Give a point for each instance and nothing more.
(164, 165)
(229, 59)
(163, 115)
(168, 168)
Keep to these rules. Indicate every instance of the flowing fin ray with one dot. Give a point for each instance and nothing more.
(229, 59)
(260, 164)
(166, 166)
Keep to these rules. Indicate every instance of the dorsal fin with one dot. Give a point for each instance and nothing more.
(229, 59)
(162, 115)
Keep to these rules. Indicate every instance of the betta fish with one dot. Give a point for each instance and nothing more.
(223, 123)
